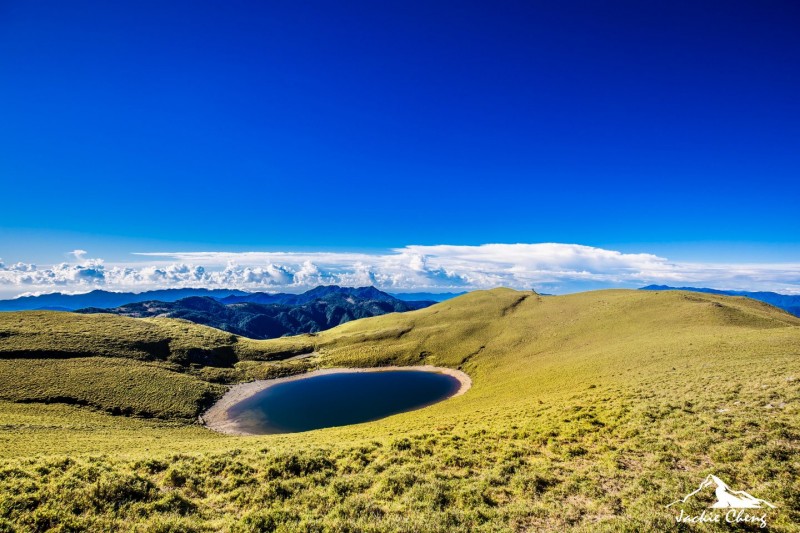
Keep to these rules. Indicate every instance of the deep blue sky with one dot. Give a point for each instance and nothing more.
(359, 125)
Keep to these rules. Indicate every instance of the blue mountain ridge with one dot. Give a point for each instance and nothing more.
(106, 299)
(426, 296)
(264, 316)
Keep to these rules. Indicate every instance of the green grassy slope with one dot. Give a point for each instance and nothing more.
(588, 412)
(116, 385)
(39, 334)
(149, 367)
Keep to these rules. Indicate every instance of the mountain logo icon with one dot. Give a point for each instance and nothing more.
(725, 497)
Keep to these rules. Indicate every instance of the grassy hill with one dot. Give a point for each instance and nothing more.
(52, 334)
(588, 412)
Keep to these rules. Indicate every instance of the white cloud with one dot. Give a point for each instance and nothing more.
(548, 267)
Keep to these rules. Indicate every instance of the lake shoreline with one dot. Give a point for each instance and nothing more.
(216, 417)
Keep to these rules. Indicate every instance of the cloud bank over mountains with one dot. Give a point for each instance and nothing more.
(547, 267)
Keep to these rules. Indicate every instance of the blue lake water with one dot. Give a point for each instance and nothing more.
(339, 399)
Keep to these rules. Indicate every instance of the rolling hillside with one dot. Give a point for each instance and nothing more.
(788, 302)
(588, 412)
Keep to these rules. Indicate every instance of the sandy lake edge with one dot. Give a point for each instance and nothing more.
(216, 417)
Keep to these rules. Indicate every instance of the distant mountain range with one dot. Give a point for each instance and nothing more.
(786, 302)
(266, 316)
(426, 296)
(69, 302)
(106, 299)
(317, 293)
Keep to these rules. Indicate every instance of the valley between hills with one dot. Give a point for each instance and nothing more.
(587, 412)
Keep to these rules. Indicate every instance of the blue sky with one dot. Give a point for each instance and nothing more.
(668, 128)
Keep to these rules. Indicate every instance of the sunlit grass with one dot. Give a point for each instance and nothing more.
(588, 412)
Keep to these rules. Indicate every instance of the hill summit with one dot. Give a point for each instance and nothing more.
(787, 302)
